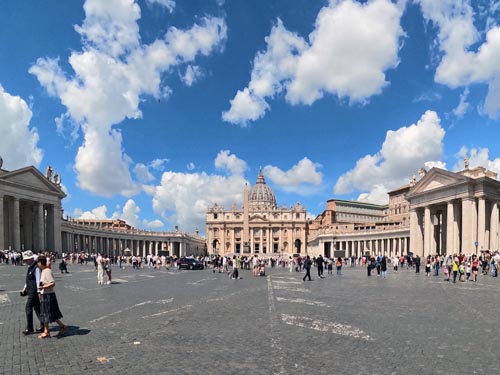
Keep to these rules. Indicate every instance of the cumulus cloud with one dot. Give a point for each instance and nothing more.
(193, 73)
(302, 178)
(434, 163)
(129, 213)
(153, 224)
(110, 76)
(18, 140)
(142, 173)
(158, 164)
(183, 198)
(462, 106)
(347, 54)
(167, 4)
(230, 163)
(403, 152)
(97, 213)
(478, 157)
(466, 59)
(191, 166)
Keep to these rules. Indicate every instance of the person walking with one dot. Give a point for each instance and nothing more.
(307, 266)
(395, 262)
(338, 265)
(383, 266)
(319, 263)
(475, 267)
(107, 268)
(437, 264)
(49, 308)
(417, 264)
(31, 292)
(100, 269)
(454, 268)
(428, 266)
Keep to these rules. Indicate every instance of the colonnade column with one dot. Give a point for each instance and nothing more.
(2, 234)
(16, 225)
(494, 227)
(481, 224)
(467, 222)
(450, 228)
(427, 231)
(415, 232)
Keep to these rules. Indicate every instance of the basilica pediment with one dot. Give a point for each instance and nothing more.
(30, 178)
(258, 219)
(436, 178)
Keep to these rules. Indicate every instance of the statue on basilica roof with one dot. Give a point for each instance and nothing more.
(48, 173)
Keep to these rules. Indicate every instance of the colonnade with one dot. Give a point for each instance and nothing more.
(27, 224)
(113, 244)
(398, 244)
(465, 225)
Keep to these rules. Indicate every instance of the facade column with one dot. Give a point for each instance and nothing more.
(450, 228)
(494, 227)
(2, 234)
(16, 225)
(181, 249)
(427, 231)
(481, 224)
(474, 224)
(415, 232)
(467, 223)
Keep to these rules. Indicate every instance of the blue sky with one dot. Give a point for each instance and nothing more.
(153, 110)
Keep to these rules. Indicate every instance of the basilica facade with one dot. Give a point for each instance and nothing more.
(259, 227)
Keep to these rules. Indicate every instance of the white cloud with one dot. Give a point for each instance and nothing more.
(193, 73)
(167, 4)
(191, 166)
(434, 163)
(462, 106)
(348, 52)
(142, 173)
(158, 164)
(378, 194)
(478, 157)
(153, 224)
(183, 198)
(111, 75)
(230, 163)
(299, 179)
(129, 213)
(95, 214)
(459, 65)
(18, 141)
(245, 107)
(403, 152)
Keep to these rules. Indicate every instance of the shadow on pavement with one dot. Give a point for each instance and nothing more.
(73, 331)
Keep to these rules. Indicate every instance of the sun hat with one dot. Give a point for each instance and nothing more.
(28, 255)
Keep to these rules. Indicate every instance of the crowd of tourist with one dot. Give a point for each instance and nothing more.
(41, 298)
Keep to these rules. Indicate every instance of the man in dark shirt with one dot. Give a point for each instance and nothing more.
(319, 264)
(31, 291)
(417, 264)
(307, 266)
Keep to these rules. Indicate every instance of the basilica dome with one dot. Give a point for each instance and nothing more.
(261, 195)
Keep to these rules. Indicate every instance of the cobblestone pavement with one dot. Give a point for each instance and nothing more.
(199, 322)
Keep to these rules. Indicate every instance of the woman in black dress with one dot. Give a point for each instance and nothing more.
(49, 308)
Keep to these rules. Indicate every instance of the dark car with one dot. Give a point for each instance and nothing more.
(189, 264)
